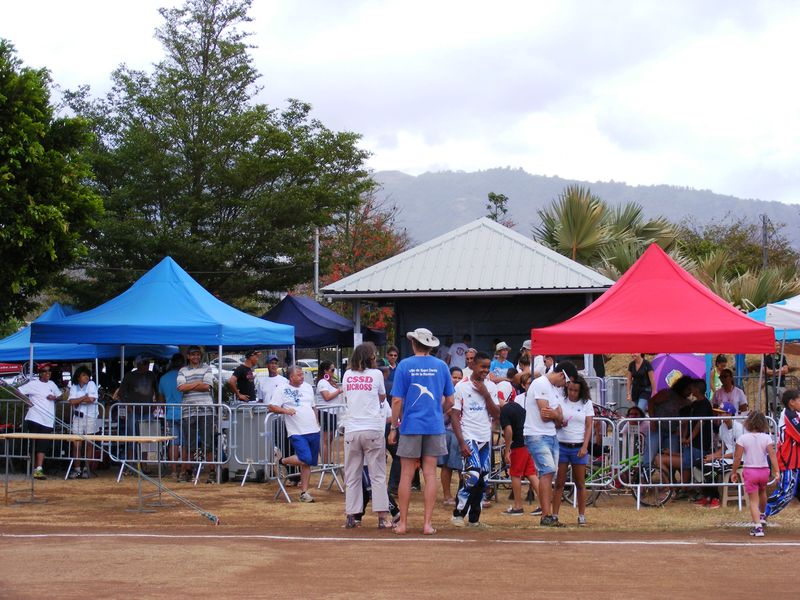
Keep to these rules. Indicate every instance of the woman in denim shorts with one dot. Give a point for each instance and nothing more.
(574, 439)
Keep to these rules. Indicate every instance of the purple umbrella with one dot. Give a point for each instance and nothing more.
(667, 368)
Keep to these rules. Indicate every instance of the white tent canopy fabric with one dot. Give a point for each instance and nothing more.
(785, 315)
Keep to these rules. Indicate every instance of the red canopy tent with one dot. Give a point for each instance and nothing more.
(656, 306)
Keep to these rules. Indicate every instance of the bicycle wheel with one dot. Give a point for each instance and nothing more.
(652, 494)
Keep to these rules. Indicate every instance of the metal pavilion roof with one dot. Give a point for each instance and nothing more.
(481, 258)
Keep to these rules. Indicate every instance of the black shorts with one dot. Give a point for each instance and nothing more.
(39, 445)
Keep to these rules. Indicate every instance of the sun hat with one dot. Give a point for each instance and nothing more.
(502, 346)
(424, 337)
(526, 344)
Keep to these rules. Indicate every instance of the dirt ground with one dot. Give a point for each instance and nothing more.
(83, 543)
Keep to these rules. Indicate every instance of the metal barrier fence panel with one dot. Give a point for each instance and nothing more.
(67, 419)
(331, 460)
(666, 462)
(201, 437)
(247, 447)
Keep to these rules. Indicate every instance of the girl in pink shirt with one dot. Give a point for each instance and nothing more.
(756, 447)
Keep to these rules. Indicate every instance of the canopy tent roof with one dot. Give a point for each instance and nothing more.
(790, 335)
(316, 326)
(17, 346)
(656, 306)
(165, 306)
(436, 268)
(784, 315)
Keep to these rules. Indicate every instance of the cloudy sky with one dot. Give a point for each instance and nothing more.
(699, 94)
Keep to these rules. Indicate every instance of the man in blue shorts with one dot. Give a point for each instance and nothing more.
(544, 411)
(295, 401)
(421, 383)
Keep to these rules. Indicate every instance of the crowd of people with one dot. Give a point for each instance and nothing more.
(443, 408)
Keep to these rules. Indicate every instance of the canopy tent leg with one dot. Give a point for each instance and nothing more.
(121, 363)
(30, 361)
(357, 335)
(218, 468)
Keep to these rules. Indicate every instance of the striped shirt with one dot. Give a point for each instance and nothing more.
(195, 398)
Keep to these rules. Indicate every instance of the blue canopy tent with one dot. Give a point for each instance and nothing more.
(316, 326)
(165, 306)
(17, 346)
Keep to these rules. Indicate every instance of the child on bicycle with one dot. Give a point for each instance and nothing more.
(755, 446)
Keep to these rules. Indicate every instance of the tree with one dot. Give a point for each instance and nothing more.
(741, 240)
(582, 226)
(358, 239)
(726, 256)
(497, 208)
(189, 165)
(47, 207)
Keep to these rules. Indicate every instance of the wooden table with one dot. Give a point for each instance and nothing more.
(95, 438)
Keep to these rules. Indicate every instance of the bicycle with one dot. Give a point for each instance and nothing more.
(631, 473)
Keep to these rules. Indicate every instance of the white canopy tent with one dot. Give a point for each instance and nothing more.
(785, 315)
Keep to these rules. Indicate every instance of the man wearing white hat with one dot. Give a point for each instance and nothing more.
(422, 384)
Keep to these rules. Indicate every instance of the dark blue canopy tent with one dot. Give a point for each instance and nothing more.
(316, 326)
(17, 346)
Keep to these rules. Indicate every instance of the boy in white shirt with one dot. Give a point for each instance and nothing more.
(475, 405)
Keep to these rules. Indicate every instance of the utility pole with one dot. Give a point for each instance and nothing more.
(316, 264)
(764, 240)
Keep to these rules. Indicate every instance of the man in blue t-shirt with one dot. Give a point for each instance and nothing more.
(169, 394)
(422, 384)
(498, 369)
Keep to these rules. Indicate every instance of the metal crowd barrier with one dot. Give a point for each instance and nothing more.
(247, 444)
(664, 455)
(12, 415)
(331, 444)
(275, 436)
(200, 430)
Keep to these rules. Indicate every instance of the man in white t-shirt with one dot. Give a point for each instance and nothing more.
(475, 404)
(295, 401)
(41, 415)
(267, 384)
(468, 358)
(443, 352)
(458, 352)
(543, 402)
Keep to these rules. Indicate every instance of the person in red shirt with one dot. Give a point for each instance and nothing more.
(788, 455)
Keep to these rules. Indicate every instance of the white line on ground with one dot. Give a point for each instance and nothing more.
(298, 538)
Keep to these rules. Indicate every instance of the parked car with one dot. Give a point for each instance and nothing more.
(229, 363)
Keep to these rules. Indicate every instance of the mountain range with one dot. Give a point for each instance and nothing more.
(431, 204)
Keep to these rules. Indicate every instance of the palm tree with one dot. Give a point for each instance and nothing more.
(582, 226)
(574, 225)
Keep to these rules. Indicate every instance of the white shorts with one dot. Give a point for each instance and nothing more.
(84, 425)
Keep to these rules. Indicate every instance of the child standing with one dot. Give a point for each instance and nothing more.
(755, 445)
(788, 455)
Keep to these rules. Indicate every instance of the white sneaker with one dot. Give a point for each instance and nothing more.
(457, 521)
(306, 497)
(581, 519)
(478, 525)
